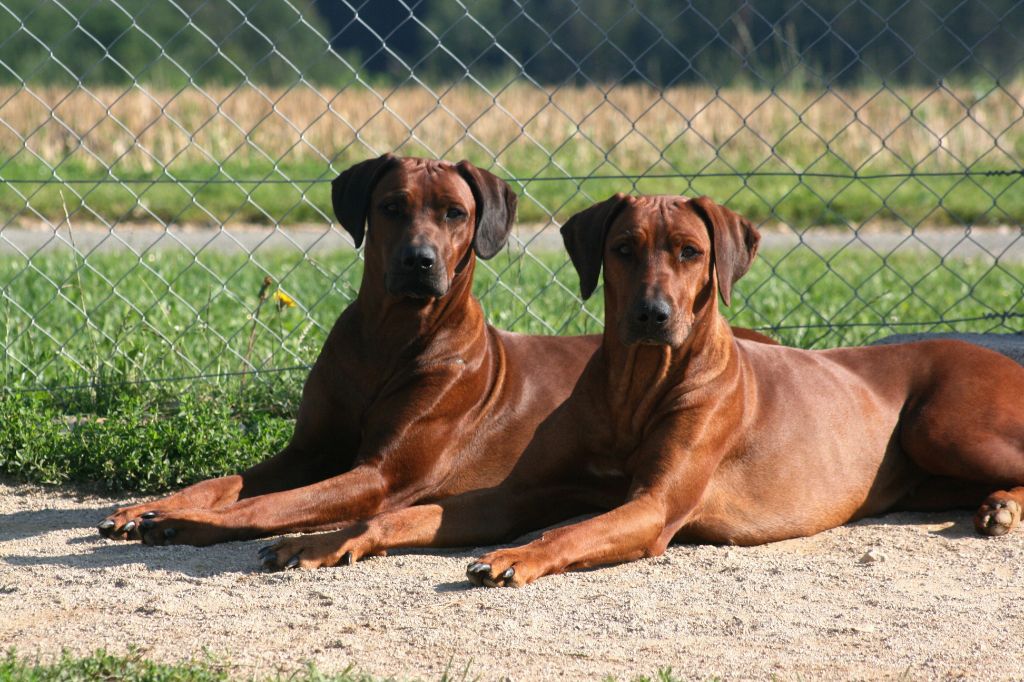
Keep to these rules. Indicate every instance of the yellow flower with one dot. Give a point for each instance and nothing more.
(283, 300)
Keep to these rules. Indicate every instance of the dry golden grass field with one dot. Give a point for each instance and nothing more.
(548, 139)
(634, 127)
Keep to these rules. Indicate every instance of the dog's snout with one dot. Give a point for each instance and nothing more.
(418, 271)
(649, 321)
(418, 257)
(653, 313)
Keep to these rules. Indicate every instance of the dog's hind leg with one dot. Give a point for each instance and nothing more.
(967, 425)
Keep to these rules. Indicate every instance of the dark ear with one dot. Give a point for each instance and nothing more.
(584, 235)
(734, 243)
(350, 193)
(495, 208)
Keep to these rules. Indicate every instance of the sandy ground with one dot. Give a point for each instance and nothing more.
(941, 604)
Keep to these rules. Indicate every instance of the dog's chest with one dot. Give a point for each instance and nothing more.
(612, 463)
(611, 451)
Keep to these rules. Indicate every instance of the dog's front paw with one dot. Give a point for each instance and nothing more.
(123, 524)
(505, 568)
(337, 548)
(180, 527)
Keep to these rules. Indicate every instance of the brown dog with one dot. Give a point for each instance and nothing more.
(679, 430)
(413, 395)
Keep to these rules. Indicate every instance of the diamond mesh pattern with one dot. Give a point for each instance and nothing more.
(199, 139)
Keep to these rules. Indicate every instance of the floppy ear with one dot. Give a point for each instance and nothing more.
(350, 193)
(734, 243)
(584, 235)
(495, 208)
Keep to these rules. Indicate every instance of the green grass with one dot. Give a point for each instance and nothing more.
(133, 668)
(217, 196)
(103, 666)
(116, 329)
(144, 443)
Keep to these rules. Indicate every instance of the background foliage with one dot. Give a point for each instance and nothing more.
(764, 42)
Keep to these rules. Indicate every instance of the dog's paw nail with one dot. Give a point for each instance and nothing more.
(346, 559)
(509, 572)
(129, 527)
(477, 572)
(143, 525)
(106, 525)
(147, 515)
(293, 562)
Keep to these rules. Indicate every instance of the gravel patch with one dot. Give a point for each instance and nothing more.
(932, 601)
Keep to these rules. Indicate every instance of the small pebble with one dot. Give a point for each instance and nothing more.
(872, 556)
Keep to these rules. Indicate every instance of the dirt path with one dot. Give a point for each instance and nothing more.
(29, 237)
(943, 604)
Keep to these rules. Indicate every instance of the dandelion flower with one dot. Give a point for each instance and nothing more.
(283, 300)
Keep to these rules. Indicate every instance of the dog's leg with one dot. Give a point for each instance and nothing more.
(474, 518)
(988, 460)
(672, 474)
(632, 531)
(289, 468)
(969, 426)
(344, 498)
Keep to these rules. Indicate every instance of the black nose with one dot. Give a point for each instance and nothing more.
(652, 313)
(418, 257)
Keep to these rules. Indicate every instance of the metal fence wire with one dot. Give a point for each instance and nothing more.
(165, 165)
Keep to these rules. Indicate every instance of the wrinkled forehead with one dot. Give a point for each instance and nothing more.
(656, 218)
(427, 181)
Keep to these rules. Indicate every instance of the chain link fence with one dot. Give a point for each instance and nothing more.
(165, 166)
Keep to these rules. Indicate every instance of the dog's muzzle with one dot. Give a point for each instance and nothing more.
(649, 322)
(417, 272)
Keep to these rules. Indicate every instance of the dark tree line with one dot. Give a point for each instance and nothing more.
(663, 42)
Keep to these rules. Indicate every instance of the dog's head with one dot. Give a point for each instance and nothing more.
(424, 219)
(664, 258)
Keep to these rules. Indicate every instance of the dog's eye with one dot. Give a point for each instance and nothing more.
(392, 208)
(688, 253)
(624, 250)
(455, 213)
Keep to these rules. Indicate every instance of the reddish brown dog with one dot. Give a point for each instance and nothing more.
(677, 429)
(413, 397)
